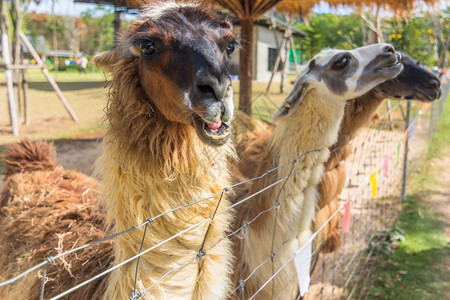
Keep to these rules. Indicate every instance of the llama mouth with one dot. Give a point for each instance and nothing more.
(213, 134)
(392, 70)
(217, 130)
(427, 96)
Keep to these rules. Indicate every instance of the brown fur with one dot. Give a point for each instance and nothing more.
(28, 157)
(331, 185)
(358, 113)
(153, 161)
(296, 212)
(54, 211)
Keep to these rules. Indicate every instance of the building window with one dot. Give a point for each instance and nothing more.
(272, 57)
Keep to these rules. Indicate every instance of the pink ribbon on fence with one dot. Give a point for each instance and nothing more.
(386, 164)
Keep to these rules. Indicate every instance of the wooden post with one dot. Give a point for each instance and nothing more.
(117, 23)
(389, 107)
(246, 66)
(285, 64)
(277, 61)
(9, 81)
(26, 110)
(294, 54)
(274, 26)
(16, 57)
(47, 75)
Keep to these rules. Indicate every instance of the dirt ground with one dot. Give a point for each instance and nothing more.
(80, 153)
(440, 198)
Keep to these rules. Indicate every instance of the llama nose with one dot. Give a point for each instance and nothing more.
(211, 88)
(389, 49)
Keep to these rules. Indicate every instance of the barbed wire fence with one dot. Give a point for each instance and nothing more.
(372, 195)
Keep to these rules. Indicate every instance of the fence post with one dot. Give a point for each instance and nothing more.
(405, 156)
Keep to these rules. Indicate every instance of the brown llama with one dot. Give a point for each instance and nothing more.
(307, 124)
(166, 146)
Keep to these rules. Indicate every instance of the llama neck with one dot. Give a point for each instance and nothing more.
(312, 127)
(152, 179)
(139, 184)
(358, 112)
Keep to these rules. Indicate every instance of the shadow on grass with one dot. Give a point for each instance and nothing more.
(416, 275)
(66, 86)
(417, 268)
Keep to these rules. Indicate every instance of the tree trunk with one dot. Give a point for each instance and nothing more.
(245, 66)
(117, 24)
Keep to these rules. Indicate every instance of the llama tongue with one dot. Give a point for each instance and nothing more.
(215, 126)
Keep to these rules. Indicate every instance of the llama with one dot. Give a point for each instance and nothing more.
(251, 137)
(307, 123)
(413, 83)
(47, 210)
(166, 145)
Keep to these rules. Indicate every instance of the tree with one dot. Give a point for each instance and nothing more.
(247, 11)
(330, 31)
(100, 32)
(421, 36)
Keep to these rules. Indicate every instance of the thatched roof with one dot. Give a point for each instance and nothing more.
(131, 4)
(255, 8)
(247, 8)
(298, 7)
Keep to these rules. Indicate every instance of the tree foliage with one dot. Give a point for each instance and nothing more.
(422, 36)
(90, 33)
(330, 31)
(98, 31)
(419, 36)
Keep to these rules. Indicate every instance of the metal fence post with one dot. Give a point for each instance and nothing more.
(405, 157)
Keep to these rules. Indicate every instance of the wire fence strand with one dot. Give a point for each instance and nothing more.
(349, 270)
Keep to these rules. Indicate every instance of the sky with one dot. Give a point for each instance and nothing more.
(62, 7)
(69, 8)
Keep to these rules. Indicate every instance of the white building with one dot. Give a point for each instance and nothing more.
(265, 49)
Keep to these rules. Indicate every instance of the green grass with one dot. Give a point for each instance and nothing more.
(65, 76)
(441, 137)
(415, 270)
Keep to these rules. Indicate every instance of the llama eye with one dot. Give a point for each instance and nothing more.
(230, 48)
(342, 63)
(147, 47)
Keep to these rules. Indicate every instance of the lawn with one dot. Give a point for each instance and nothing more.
(87, 95)
(420, 267)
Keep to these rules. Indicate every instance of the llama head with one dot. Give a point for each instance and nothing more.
(413, 83)
(341, 75)
(181, 52)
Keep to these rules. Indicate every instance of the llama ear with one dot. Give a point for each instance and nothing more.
(293, 100)
(107, 58)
